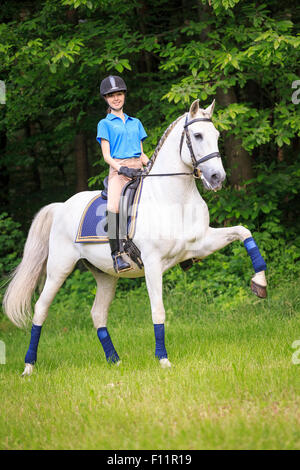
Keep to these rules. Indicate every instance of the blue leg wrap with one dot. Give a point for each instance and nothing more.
(160, 349)
(256, 258)
(110, 352)
(31, 355)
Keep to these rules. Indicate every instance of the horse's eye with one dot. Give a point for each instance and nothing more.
(198, 135)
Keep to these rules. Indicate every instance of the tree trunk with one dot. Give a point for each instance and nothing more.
(238, 159)
(81, 152)
(4, 175)
(142, 13)
(36, 178)
(81, 162)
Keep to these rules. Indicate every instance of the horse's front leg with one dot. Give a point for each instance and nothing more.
(153, 275)
(217, 238)
(106, 287)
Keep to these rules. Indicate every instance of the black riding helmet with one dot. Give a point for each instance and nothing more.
(112, 84)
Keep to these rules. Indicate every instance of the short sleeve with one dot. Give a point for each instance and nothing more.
(102, 131)
(142, 132)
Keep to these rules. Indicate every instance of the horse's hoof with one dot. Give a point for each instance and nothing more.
(165, 363)
(260, 291)
(28, 370)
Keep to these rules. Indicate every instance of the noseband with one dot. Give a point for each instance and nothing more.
(185, 132)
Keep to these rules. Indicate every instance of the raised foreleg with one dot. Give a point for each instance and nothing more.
(217, 238)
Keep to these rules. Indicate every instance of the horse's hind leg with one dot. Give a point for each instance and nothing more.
(106, 287)
(57, 271)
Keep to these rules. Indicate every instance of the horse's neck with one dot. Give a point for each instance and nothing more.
(168, 158)
(179, 188)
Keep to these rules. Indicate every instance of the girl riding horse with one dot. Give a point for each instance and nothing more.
(121, 139)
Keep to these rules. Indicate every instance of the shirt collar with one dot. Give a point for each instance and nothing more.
(111, 117)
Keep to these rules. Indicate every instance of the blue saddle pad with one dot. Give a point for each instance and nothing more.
(92, 227)
(93, 223)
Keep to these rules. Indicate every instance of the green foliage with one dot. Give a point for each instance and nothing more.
(53, 55)
(11, 244)
(260, 206)
(53, 61)
(250, 47)
(265, 202)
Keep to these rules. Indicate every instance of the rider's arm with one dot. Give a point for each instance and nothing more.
(105, 147)
(144, 157)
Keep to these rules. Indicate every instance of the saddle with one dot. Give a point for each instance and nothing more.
(129, 201)
(93, 224)
(128, 208)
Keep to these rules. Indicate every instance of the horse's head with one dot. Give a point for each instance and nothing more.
(202, 142)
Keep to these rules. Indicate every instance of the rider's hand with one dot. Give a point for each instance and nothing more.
(129, 172)
(117, 166)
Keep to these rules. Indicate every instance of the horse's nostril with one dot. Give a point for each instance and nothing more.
(216, 177)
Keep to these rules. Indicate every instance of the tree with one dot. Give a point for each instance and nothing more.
(55, 53)
(235, 48)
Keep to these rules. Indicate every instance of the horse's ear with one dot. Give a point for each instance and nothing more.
(210, 109)
(194, 108)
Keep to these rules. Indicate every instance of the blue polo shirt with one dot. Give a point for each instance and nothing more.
(124, 138)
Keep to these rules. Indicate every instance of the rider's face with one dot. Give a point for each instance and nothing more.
(116, 100)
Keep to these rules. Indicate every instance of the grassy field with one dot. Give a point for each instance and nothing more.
(233, 384)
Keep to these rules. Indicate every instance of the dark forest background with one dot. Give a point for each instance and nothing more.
(245, 54)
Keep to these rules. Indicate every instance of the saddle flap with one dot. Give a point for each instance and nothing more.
(128, 206)
(93, 223)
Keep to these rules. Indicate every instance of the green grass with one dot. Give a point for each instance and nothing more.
(233, 384)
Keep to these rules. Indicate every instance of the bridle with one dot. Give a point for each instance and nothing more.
(196, 163)
(196, 171)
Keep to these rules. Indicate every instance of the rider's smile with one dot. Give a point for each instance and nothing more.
(116, 100)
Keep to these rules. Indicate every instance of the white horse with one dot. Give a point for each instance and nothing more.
(172, 226)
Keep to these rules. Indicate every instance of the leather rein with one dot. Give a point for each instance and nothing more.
(196, 172)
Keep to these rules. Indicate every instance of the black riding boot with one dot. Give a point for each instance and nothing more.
(120, 265)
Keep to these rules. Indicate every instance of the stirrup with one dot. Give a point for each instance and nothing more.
(120, 266)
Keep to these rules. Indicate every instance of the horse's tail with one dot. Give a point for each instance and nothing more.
(25, 278)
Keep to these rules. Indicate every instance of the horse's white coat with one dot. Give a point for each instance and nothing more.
(172, 226)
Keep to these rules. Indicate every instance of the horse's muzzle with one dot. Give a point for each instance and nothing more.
(213, 179)
(217, 179)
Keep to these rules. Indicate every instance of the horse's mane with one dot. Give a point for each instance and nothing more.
(163, 139)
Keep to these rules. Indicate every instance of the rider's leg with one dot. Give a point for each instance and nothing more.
(120, 265)
(115, 185)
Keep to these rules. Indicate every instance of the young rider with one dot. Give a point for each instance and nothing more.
(121, 139)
